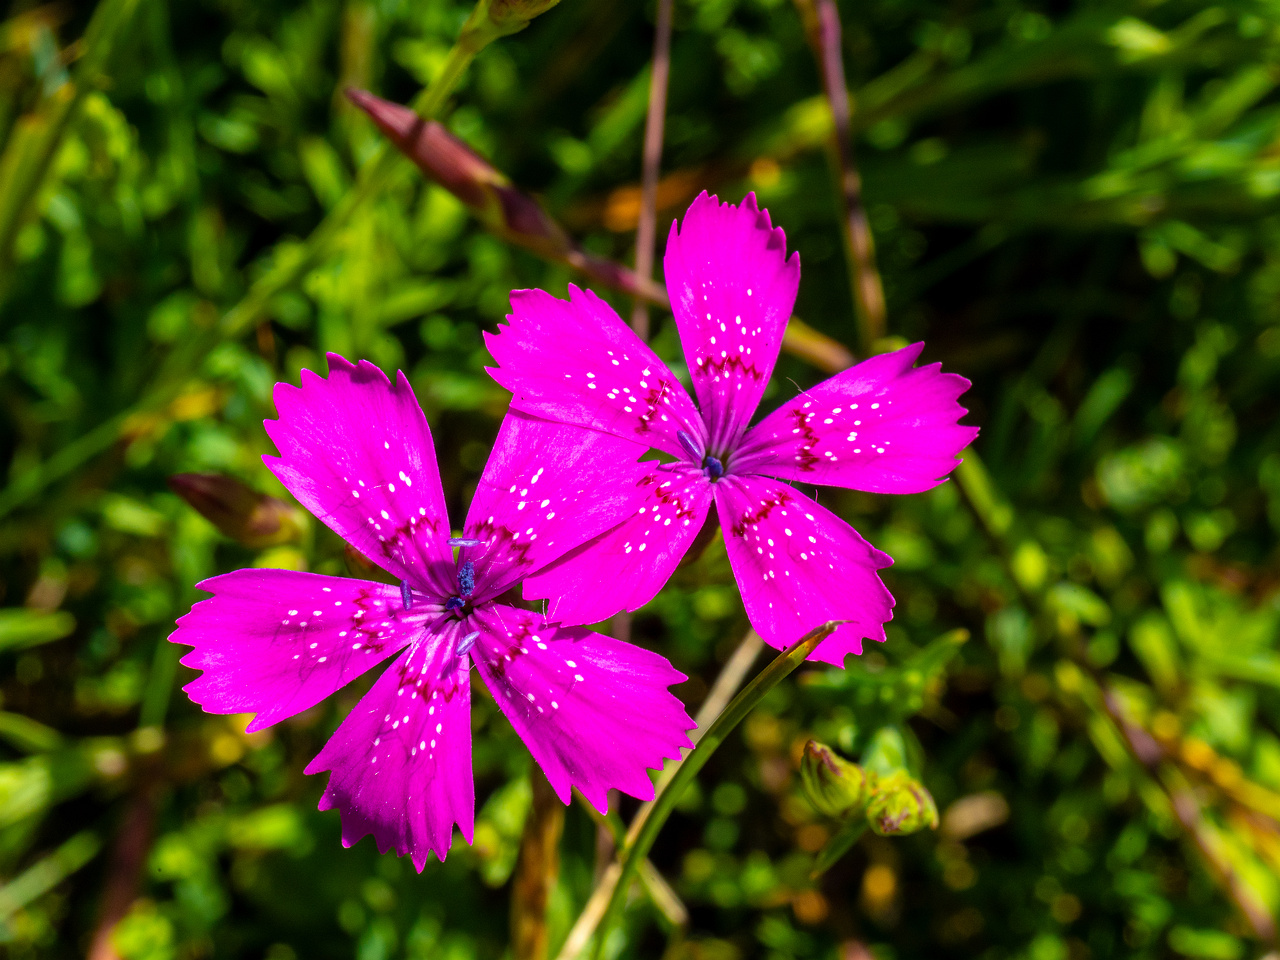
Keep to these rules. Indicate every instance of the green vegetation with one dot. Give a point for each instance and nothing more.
(1077, 206)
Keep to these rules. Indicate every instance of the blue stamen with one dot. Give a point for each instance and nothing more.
(467, 642)
(690, 444)
(466, 578)
(406, 595)
(714, 468)
(463, 542)
(454, 603)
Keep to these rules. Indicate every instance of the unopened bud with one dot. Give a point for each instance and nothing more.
(901, 805)
(503, 208)
(251, 518)
(832, 784)
(448, 161)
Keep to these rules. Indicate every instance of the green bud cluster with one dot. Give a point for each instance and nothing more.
(894, 804)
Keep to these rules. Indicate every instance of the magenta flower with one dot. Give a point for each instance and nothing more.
(881, 426)
(357, 452)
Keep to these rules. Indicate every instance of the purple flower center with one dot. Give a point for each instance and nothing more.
(466, 587)
(713, 466)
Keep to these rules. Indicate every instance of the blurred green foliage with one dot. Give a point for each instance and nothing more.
(1077, 205)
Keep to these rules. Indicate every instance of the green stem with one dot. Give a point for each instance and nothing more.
(155, 700)
(984, 498)
(839, 844)
(635, 852)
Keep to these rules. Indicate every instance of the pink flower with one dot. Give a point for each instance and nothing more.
(357, 452)
(881, 426)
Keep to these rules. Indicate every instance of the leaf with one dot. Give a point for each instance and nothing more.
(21, 627)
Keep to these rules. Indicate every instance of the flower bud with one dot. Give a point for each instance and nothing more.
(502, 207)
(832, 784)
(254, 519)
(901, 805)
(513, 215)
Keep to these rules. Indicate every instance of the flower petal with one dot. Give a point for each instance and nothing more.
(732, 288)
(547, 488)
(881, 426)
(595, 712)
(798, 565)
(625, 568)
(575, 361)
(277, 642)
(356, 451)
(401, 760)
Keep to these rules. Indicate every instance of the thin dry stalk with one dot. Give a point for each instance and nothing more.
(124, 870)
(539, 868)
(1152, 756)
(591, 915)
(646, 231)
(822, 26)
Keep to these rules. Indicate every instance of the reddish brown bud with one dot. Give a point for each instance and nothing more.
(502, 207)
(254, 519)
(440, 155)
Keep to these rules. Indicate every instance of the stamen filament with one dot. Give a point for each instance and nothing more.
(691, 445)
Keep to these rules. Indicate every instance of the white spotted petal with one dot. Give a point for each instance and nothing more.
(401, 761)
(625, 568)
(277, 642)
(590, 370)
(595, 712)
(546, 489)
(882, 426)
(356, 451)
(798, 566)
(732, 288)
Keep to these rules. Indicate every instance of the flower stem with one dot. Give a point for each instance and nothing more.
(839, 845)
(635, 851)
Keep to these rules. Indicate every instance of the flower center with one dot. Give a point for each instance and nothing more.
(466, 586)
(466, 578)
(712, 466)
